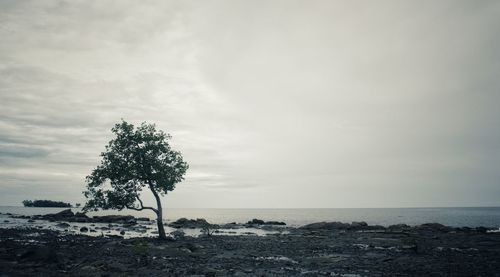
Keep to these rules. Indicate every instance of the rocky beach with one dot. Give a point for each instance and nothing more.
(50, 245)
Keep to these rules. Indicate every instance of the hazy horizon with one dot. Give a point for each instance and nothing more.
(274, 104)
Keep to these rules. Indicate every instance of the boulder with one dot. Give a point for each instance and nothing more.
(44, 254)
(128, 219)
(62, 225)
(399, 227)
(84, 229)
(63, 214)
(190, 223)
(275, 223)
(326, 226)
(256, 221)
(436, 227)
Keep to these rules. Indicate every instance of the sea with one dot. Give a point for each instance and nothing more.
(456, 217)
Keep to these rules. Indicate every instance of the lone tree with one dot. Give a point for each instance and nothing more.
(136, 158)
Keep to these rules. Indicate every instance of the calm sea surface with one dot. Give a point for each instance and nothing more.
(457, 217)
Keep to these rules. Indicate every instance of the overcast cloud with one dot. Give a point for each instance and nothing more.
(273, 103)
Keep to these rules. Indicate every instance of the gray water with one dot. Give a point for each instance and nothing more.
(457, 217)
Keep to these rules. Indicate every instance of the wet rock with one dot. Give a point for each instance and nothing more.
(436, 227)
(178, 234)
(326, 226)
(190, 223)
(84, 229)
(275, 223)
(46, 254)
(358, 225)
(62, 225)
(399, 227)
(256, 221)
(81, 214)
(128, 219)
(64, 213)
(262, 222)
(122, 232)
(142, 219)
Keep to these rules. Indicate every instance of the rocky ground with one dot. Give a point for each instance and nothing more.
(321, 249)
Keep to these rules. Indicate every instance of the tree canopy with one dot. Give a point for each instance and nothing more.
(134, 159)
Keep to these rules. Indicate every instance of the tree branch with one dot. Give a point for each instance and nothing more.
(143, 207)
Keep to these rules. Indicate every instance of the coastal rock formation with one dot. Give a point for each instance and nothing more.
(262, 222)
(69, 216)
(191, 223)
(341, 226)
(334, 252)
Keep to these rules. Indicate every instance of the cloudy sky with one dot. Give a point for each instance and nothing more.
(274, 104)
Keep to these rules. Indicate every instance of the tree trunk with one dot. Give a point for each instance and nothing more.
(159, 214)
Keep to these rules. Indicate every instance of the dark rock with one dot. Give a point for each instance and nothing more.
(62, 214)
(326, 226)
(6, 221)
(358, 224)
(80, 214)
(436, 227)
(275, 223)
(115, 219)
(62, 225)
(122, 232)
(142, 219)
(191, 223)
(482, 229)
(114, 236)
(45, 254)
(399, 227)
(256, 221)
(84, 229)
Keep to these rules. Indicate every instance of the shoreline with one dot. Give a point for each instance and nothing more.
(318, 249)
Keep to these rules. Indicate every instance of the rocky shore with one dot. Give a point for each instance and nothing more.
(318, 249)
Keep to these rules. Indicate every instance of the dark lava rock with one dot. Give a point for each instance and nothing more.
(44, 254)
(62, 225)
(256, 221)
(326, 226)
(65, 213)
(434, 227)
(190, 223)
(355, 226)
(79, 214)
(262, 222)
(399, 227)
(115, 219)
(84, 229)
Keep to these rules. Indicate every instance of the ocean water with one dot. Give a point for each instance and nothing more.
(457, 217)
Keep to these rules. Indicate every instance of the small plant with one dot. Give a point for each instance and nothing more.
(178, 234)
(140, 247)
(208, 229)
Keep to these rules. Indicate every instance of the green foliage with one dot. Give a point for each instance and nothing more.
(135, 158)
(46, 203)
(208, 229)
(140, 247)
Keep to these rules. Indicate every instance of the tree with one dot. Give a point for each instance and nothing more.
(136, 158)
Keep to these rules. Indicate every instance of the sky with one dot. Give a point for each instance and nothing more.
(274, 104)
